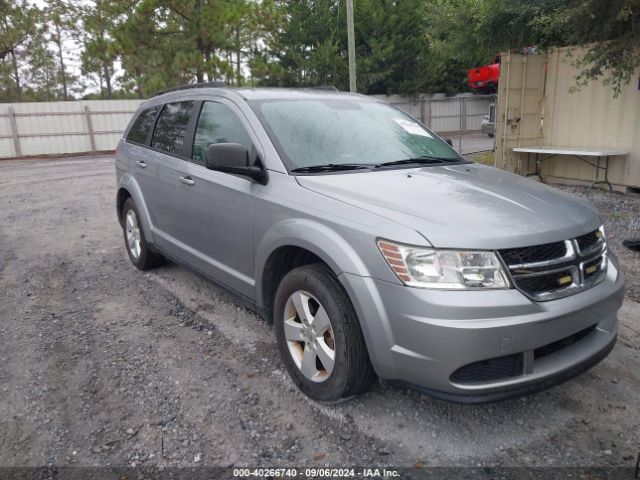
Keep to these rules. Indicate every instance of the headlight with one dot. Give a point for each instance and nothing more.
(444, 269)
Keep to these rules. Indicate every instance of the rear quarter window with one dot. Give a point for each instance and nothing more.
(171, 127)
(142, 126)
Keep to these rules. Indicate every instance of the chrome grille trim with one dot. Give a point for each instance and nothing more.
(536, 279)
(569, 255)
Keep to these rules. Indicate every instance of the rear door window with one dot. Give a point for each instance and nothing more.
(171, 127)
(143, 124)
(217, 124)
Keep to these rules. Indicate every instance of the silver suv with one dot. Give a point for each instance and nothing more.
(374, 248)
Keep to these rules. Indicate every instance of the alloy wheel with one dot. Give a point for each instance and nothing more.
(309, 336)
(133, 234)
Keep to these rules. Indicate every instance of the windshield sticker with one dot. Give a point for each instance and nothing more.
(412, 127)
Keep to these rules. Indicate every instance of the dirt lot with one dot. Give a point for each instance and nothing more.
(103, 365)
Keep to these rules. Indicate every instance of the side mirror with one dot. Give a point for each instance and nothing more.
(234, 158)
(449, 142)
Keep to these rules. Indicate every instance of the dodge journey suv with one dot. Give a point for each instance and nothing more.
(373, 247)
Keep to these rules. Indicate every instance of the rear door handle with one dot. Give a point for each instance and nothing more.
(187, 180)
(141, 163)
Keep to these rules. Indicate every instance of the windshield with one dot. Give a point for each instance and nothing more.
(339, 131)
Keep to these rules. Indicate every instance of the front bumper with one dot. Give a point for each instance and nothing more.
(422, 337)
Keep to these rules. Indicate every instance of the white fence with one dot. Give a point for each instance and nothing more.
(54, 128)
(461, 113)
(50, 128)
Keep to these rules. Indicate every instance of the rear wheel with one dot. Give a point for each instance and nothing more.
(134, 239)
(319, 336)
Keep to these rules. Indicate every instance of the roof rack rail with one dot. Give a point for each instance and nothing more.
(330, 88)
(191, 85)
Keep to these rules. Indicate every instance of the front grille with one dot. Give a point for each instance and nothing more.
(586, 242)
(490, 370)
(545, 283)
(539, 253)
(555, 270)
(562, 343)
(592, 268)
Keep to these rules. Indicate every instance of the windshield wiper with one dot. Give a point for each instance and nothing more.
(424, 160)
(330, 167)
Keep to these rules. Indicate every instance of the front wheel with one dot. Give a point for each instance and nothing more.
(319, 337)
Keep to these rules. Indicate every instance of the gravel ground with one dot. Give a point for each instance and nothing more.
(101, 365)
(621, 214)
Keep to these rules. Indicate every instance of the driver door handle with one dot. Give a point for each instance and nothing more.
(141, 163)
(187, 180)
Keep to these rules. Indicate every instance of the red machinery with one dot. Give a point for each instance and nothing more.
(484, 79)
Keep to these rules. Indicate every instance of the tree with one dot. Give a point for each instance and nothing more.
(393, 54)
(307, 45)
(162, 43)
(61, 27)
(17, 30)
(97, 19)
(40, 74)
(610, 29)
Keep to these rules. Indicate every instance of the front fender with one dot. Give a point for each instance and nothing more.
(313, 236)
(128, 183)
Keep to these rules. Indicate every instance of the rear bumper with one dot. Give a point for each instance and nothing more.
(487, 83)
(421, 337)
(488, 128)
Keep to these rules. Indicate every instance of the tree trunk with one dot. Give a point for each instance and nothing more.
(207, 59)
(199, 71)
(107, 78)
(199, 74)
(16, 75)
(63, 74)
(138, 76)
(201, 50)
(238, 77)
(252, 56)
(199, 42)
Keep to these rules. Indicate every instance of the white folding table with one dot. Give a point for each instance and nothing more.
(600, 154)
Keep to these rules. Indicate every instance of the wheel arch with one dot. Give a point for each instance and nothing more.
(294, 243)
(129, 188)
(121, 197)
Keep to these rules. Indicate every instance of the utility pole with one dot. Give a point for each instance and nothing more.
(351, 41)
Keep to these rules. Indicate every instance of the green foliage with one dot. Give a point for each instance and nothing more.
(163, 43)
(392, 53)
(20, 34)
(135, 47)
(609, 28)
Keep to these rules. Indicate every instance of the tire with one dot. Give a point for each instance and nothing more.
(137, 249)
(314, 287)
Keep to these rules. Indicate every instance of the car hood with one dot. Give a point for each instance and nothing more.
(463, 206)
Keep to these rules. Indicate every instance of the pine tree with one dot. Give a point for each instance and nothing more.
(18, 28)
